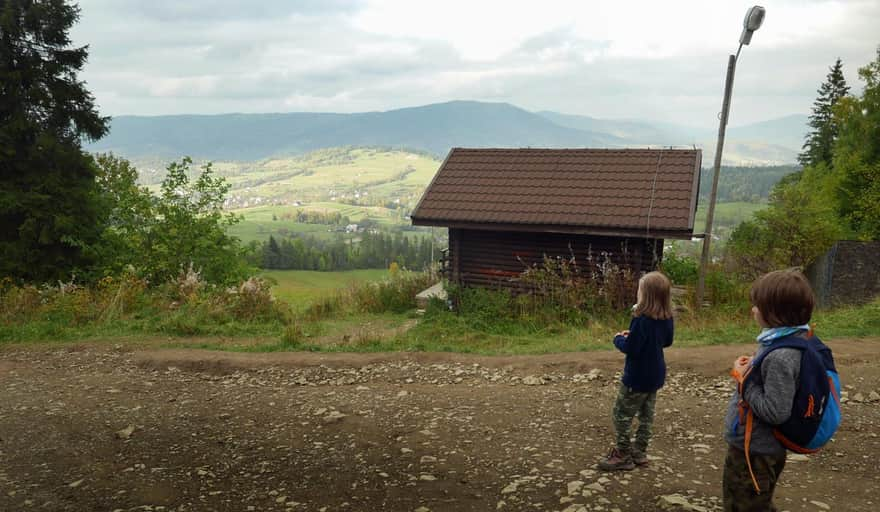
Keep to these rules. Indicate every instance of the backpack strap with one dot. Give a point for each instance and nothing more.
(793, 341)
(748, 441)
(797, 342)
(745, 413)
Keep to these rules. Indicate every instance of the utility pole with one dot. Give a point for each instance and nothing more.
(752, 22)
(710, 212)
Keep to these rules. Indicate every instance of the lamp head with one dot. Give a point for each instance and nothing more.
(751, 23)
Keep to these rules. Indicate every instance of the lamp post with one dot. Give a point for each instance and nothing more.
(751, 23)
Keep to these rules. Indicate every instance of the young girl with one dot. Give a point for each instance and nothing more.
(650, 331)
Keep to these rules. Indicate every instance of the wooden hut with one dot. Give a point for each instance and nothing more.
(506, 209)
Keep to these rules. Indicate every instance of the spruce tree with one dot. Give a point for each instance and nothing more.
(50, 213)
(819, 144)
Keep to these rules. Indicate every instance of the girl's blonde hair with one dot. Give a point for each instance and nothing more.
(656, 296)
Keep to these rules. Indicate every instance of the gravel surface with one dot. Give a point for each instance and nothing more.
(104, 427)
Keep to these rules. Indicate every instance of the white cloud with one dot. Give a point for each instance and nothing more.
(488, 29)
(624, 59)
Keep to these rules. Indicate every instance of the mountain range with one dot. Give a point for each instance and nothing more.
(432, 128)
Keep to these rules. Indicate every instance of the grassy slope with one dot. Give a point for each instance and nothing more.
(450, 333)
(348, 331)
(302, 287)
(334, 172)
(328, 181)
(727, 214)
(258, 225)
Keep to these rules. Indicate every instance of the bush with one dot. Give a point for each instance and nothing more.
(798, 226)
(724, 289)
(122, 295)
(681, 270)
(293, 335)
(324, 307)
(252, 299)
(182, 229)
(396, 294)
(561, 287)
(69, 303)
(185, 306)
(555, 293)
(18, 303)
(488, 310)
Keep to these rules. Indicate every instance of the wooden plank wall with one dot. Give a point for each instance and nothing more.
(497, 258)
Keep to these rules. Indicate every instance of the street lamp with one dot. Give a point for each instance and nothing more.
(751, 23)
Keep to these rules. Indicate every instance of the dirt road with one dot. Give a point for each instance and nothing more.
(104, 428)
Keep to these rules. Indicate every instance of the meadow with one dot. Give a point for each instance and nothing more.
(727, 215)
(343, 174)
(259, 222)
(301, 288)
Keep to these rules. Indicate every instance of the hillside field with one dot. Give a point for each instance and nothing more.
(368, 176)
(300, 288)
(378, 185)
(257, 223)
(727, 215)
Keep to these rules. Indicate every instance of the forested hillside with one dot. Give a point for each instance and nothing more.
(431, 128)
(744, 184)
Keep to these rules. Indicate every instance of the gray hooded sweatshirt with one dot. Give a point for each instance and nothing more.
(771, 402)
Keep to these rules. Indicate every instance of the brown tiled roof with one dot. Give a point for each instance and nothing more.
(638, 192)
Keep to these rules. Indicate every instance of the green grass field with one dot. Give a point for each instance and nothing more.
(340, 173)
(727, 215)
(356, 182)
(257, 223)
(302, 287)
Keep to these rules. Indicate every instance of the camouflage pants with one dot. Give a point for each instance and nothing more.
(630, 404)
(739, 491)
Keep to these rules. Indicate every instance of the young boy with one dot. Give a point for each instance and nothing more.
(782, 304)
(644, 372)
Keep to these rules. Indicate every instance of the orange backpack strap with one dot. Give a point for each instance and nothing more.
(744, 409)
(748, 442)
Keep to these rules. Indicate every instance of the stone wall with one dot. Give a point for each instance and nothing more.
(849, 273)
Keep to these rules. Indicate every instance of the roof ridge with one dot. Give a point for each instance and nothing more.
(579, 149)
(572, 186)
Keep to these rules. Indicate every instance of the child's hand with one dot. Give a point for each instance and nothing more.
(622, 333)
(740, 367)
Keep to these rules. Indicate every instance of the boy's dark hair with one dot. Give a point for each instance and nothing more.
(656, 300)
(784, 298)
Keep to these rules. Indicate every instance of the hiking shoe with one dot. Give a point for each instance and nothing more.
(639, 458)
(617, 461)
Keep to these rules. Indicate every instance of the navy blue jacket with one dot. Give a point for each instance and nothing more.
(645, 368)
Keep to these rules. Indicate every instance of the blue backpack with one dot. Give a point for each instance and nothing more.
(815, 414)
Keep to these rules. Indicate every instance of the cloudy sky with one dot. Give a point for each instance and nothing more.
(652, 60)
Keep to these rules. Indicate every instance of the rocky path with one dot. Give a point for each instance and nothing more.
(101, 427)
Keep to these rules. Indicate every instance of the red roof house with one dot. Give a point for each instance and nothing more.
(507, 209)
